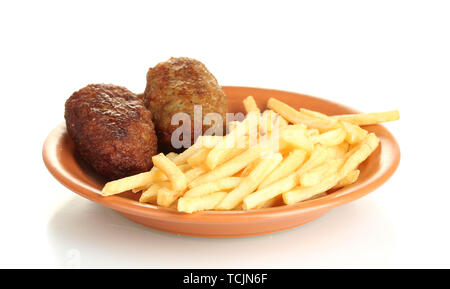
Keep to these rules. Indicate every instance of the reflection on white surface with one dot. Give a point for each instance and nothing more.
(84, 234)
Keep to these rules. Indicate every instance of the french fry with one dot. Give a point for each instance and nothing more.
(174, 174)
(354, 133)
(338, 151)
(205, 202)
(208, 141)
(150, 194)
(275, 201)
(369, 118)
(314, 176)
(297, 117)
(184, 167)
(198, 158)
(304, 193)
(271, 120)
(138, 189)
(131, 182)
(232, 125)
(360, 154)
(182, 157)
(194, 173)
(314, 114)
(246, 171)
(250, 183)
(236, 151)
(220, 185)
(348, 180)
(330, 138)
(172, 155)
(229, 168)
(232, 141)
(273, 190)
(318, 156)
(296, 136)
(290, 164)
(312, 132)
(250, 104)
(166, 196)
(174, 205)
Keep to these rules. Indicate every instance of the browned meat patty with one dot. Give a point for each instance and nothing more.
(176, 86)
(112, 130)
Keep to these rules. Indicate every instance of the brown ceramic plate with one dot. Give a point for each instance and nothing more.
(66, 167)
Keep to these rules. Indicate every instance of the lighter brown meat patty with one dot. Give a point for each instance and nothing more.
(112, 130)
(176, 86)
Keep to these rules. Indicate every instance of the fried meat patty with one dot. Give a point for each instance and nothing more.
(176, 86)
(112, 130)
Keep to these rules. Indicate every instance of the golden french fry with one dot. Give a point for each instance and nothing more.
(194, 173)
(319, 155)
(251, 182)
(131, 182)
(274, 202)
(304, 193)
(174, 205)
(224, 184)
(208, 141)
(205, 202)
(282, 122)
(314, 176)
(198, 158)
(291, 163)
(232, 140)
(344, 147)
(246, 171)
(175, 175)
(172, 155)
(297, 117)
(330, 138)
(296, 136)
(230, 167)
(273, 190)
(312, 132)
(235, 152)
(182, 157)
(271, 120)
(166, 196)
(354, 133)
(184, 167)
(348, 180)
(338, 151)
(369, 118)
(314, 114)
(150, 194)
(232, 125)
(359, 154)
(138, 189)
(250, 104)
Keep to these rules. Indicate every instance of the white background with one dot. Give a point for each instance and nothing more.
(373, 56)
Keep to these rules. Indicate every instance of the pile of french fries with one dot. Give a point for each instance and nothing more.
(280, 156)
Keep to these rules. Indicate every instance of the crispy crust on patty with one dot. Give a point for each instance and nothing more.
(176, 86)
(112, 130)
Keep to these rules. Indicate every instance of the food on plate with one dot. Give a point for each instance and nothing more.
(112, 130)
(298, 155)
(176, 86)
